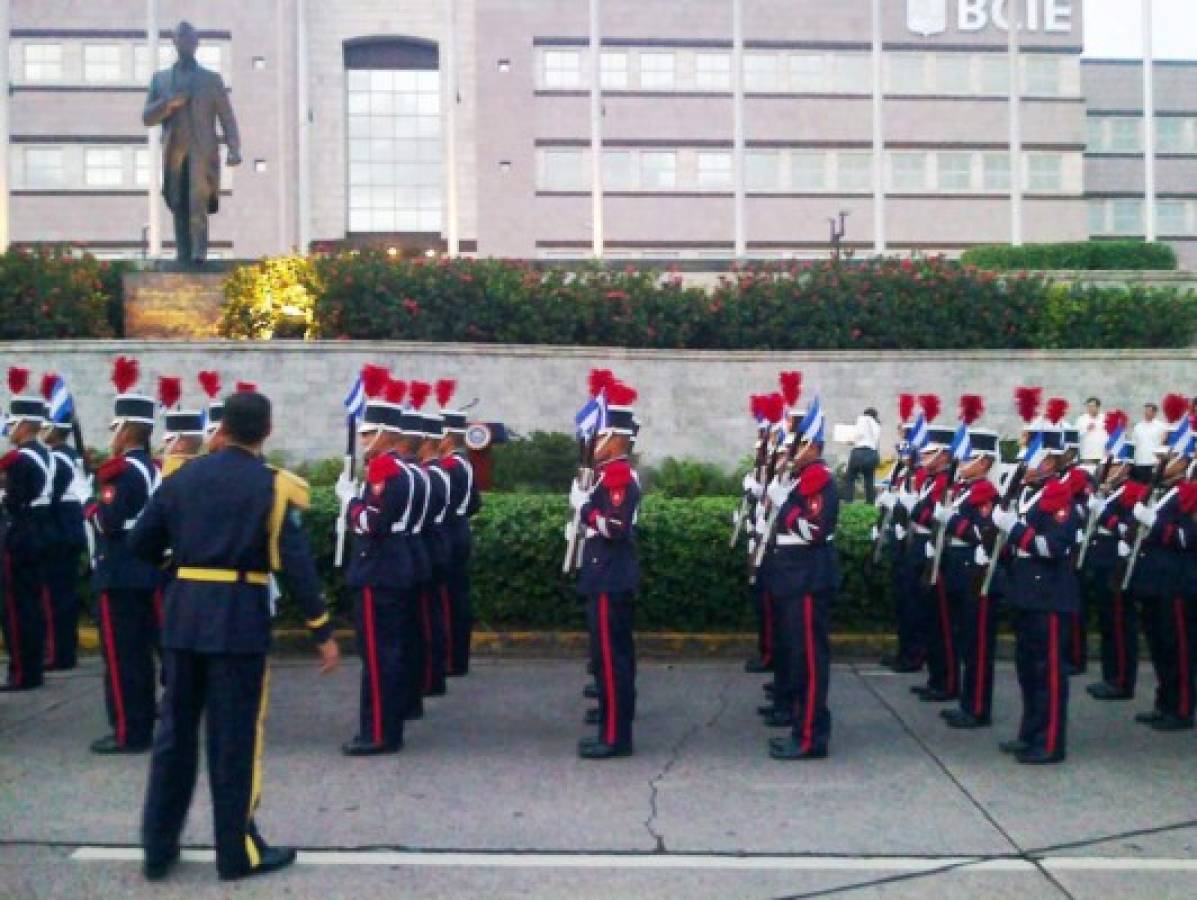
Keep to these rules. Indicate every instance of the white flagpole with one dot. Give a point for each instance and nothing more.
(596, 133)
(153, 144)
(1016, 162)
(303, 126)
(741, 232)
(879, 237)
(4, 163)
(452, 233)
(1149, 187)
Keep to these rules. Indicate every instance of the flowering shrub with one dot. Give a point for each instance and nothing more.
(272, 298)
(48, 294)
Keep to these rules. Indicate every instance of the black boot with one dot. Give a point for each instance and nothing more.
(108, 746)
(1103, 691)
(361, 747)
(271, 860)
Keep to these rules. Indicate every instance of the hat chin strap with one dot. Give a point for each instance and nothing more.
(604, 439)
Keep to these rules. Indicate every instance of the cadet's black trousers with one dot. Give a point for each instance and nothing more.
(1041, 658)
(943, 660)
(24, 620)
(460, 612)
(1119, 620)
(975, 633)
(914, 620)
(806, 665)
(433, 657)
(128, 636)
(766, 639)
(609, 618)
(61, 601)
(386, 621)
(233, 692)
(1173, 655)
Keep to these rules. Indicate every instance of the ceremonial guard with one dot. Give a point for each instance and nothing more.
(210, 384)
(125, 583)
(803, 577)
(1082, 485)
(382, 569)
(465, 501)
(28, 477)
(183, 436)
(1040, 528)
(610, 574)
(228, 521)
(423, 456)
(768, 411)
(68, 542)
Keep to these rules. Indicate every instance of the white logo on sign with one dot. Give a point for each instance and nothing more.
(927, 17)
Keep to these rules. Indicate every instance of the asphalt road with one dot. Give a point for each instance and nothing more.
(488, 798)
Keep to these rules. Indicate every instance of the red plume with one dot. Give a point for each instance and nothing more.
(170, 389)
(419, 393)
(931, 406)
(210, 383)
(445, 389)
(774, 406)
(48, 382)
(755, 409)
(600, 380)
(246, 387)
(1116, 419)
(971, 408)
(1057, 407)
(395, 391)
(1027, 399)
(125, 372)
(619, 394)
(791, 387)
(18, 380)
(1175, 406)
(374, 380)
(905, 406)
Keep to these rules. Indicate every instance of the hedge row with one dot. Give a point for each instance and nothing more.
(882, 304)
(49, 294)
(1083, 255)
(692, 581)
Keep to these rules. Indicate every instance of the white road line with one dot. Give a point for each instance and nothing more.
(668, 861)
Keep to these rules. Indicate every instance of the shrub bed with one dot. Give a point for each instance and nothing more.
(1086, 255)
(49, 294)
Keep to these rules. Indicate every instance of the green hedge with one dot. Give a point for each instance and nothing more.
(692, 581)
(49, 294)
(924, 304)
(1085, 255)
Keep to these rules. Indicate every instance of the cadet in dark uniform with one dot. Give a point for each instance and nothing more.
(124, 583)
(803, 577)
(229, 521)
(610, 576)
(1082, 485)
(433, 621)
(28, 473)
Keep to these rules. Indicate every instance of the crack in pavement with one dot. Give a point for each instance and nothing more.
(675, 755)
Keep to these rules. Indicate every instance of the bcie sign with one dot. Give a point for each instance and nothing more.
(929, 17)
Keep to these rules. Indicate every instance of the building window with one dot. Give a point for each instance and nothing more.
(563, 170)
(955, 171)
(853, 73)
(1125, 136)
(953, 73)
(762, 170)
(613, 71)
(394, 140)
(909, 171)
(562, 69)
(854, 171)
(619, 170)
(210, 56)
(1171, 135)
(714, 170)
(658, 169)
(808, 170)
(103, 167)
(1171, 218)
(1097, 217)
(808, 73)
(102, 63)
(1127, 216)
(657, 71)
(1045, 172)
(996, 171)
(1095, 135)
(907, 73)
(1042, 76)
(995, 74)
(712, 72)
(43, 62)
(141, 168)
(762, 73)
(44, 167)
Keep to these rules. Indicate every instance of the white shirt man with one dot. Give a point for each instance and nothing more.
(1093, 432)
(868, 432)
(1150, 435)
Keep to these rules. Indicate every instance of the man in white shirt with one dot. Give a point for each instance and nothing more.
(865, 456)
(1093, 432)
(1149, 436)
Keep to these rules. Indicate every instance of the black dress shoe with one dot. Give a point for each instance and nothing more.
(756, 666)
(1103, 691)
(1148, 718)
(769, 688)
(1014, 746)
(767, 710)
(967, 720)
(593, 717)
(158, 867)
(792, 750)
(603, 750)
(436, 692)
(1038, 758)
(108, 746)
(1170, 722)
(15, 688)
(360, 747)
(919, 689)
(271, 860)
(888, 661)
(590, 692)
(413, 714)
(907, 667)
(950, 713)
(779, 719)
(457, 673)
(933, 696)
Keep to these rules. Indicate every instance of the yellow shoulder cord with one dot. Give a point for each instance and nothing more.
(174, 462)
(289, 490)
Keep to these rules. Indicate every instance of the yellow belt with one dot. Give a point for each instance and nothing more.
(222, 576)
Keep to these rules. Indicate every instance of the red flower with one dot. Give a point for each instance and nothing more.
(411, 305)
(616, 295)
(907, 265)
(856, 332)
(467, 277)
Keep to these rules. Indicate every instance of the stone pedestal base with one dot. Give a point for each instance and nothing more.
(173, 304)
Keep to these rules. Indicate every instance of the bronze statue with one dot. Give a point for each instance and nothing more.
(187, 100)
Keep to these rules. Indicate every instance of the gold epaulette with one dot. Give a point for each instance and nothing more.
(289, 490)
(173, 462)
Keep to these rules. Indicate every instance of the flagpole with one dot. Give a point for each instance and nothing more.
(879, 237)
(4, 126)
(1016, 166)
(596, 133)
(1149, 187)
(153, 143)
(740, 227)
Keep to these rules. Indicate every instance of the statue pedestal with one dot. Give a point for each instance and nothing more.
(181, 305)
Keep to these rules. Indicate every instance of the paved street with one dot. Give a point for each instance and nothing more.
(489, 799)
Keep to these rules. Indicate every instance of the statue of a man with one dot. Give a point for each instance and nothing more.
(187, 100)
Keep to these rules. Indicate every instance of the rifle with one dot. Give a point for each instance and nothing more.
(999, 543)
(348, 472)
(941, 529)
(1091, 521)
(1157, 482)
(885, 516)
(762, 451)
(769, 510)
(573, 549)
(85, 466)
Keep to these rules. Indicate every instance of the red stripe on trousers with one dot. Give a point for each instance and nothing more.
(768, 602)
(945, 628)
(982, 646)
(1053, 682)
(447, 608)
(1185, 707)
(114, 671)
(1119, 640)
(14, 625)
(808, 720)
(427, 628)
(159, 609)
(608, 667)
(48, 611)
(372, 662)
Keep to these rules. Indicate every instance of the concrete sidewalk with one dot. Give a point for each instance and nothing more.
(904, 807)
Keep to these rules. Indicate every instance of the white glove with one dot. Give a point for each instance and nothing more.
(980, 557)
(570, 531)
(1005, 519)
(907, 499)
(760, 526)
(1145, 515)
(578, 495)
(929, 550)
(779, 491)
(942, 513)
(899, 533)
(1096, 503)
(81, 488)
(1123, 549)
(887, 500)
(346, 488)
(874, 534)
(752, 486)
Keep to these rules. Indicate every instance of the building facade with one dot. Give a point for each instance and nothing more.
(721, 127)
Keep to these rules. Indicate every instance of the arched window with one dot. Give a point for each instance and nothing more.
(394, 134)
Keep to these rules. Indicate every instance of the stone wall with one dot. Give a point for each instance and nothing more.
(693, 404)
